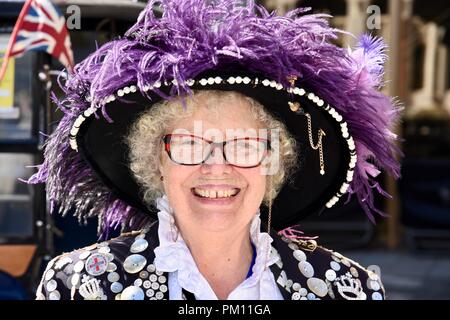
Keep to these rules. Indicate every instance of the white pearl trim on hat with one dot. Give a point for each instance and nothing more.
(235, 80)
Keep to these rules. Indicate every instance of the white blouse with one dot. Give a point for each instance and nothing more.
(175, 258)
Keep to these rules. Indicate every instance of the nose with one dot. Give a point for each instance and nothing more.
(216, 163)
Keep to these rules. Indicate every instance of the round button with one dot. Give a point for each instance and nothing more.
(96, 264)
(84, 255)
(296, 286)
(116, 287)
(330, 275)
(335, 266)
(139, 245)
(113, 277)
(377, 296)
(155, 285)
(105, 249)
(306, 269)
(299, 255)
(75, 279)
(49, 274)
(317, 286)
(132, 293)
(374, 285)
(78, 267)
(111, 267)
(51, 285)
(134, 263)
(150, 293)
(54, 295)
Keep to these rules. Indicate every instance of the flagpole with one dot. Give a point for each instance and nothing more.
(13, 37)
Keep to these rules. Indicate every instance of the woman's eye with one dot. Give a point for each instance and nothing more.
(191, 142)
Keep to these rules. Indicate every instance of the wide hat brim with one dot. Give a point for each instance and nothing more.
(306, 192)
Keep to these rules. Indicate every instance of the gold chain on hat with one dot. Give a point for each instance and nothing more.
(296, 107)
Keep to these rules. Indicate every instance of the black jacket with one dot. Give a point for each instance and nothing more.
(122, 268)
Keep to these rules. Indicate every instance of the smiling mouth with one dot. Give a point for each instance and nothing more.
(215, 194)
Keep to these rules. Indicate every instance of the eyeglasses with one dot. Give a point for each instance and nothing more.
(192, 150)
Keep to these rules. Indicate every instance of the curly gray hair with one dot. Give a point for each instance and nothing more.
(145, 137)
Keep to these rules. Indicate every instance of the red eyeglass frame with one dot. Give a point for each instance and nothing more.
(166, 139)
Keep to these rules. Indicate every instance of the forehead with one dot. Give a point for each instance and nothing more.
(221, 113)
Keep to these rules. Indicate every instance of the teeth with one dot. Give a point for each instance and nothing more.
(215, 193)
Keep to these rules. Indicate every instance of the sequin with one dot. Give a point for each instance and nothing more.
(306, 269)
(317, 286)
(134, 263)
(139, 245)
(132, 293)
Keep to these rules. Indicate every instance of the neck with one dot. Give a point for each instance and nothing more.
(223, 258)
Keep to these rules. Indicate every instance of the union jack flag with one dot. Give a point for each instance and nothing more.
(40, 27)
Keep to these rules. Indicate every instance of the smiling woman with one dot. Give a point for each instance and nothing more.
(213, 195)
(182, 134)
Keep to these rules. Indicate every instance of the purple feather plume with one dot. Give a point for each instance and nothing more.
(195, 35)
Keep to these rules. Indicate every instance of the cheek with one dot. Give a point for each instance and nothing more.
(256, 183)
(175, 178)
